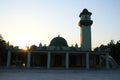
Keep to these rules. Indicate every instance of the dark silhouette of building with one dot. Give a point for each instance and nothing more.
(59, 54)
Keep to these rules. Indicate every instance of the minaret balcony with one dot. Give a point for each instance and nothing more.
(85, 22)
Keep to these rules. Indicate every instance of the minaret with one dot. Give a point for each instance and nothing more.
(85, 26)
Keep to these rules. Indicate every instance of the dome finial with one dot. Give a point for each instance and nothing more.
(58, 35)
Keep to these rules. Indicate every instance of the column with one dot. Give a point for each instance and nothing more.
(67, 61)
(87, 61)
(48, 60)
(28, 59)
(33, 60)
(9, 58)
(107, 60)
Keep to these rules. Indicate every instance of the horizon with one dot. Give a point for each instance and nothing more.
(30, 22)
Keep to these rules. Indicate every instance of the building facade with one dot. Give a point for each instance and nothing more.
(59, 54)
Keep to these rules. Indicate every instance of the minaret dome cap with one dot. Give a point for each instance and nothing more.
(85, 12)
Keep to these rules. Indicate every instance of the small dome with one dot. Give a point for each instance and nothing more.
(58, 41)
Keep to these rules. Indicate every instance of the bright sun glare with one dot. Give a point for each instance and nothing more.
(24, 40)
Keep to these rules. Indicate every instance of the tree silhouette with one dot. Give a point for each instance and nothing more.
(3, 51)
(114, 49)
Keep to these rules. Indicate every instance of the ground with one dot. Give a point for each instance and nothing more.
(58, 74)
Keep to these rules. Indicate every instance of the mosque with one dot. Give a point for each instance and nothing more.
(59, 55)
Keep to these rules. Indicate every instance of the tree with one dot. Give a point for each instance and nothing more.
(112, 43)
(3, 51)
(1, 38)
(114, 49)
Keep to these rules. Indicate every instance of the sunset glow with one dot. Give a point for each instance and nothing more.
(24, 40)
(28, 22)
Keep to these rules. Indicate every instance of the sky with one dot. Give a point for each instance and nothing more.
(28, 22)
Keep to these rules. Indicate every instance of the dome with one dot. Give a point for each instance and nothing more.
(58, 41)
